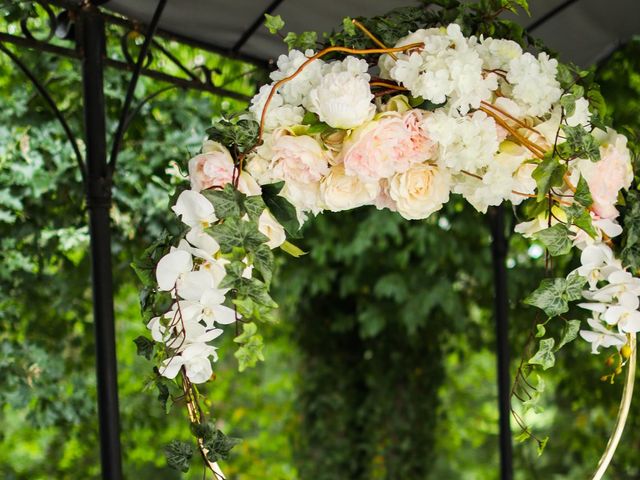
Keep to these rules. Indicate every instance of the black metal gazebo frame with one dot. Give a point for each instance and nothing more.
(98, 166)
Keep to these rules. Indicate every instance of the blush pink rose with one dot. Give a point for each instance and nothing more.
(299, 159)
(212, 168)
(389, 145)
(608, 176)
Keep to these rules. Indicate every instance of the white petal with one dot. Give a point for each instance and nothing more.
(171, 266)
(199, 371)
(224, 315)
(194, 209)
(594, 307)
(203, 241)
(612, 315)
(192, 285)
(171, 366)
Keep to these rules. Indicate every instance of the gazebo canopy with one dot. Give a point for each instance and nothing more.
(584, 31)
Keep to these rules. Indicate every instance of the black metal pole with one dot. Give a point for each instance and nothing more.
(91, 42)
(501, 306)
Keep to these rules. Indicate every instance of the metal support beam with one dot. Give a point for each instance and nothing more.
(91, 43)
(501, 308)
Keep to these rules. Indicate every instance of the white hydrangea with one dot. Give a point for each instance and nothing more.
(296, 91)
(279, 114)
(534, 83)
(465, 143)
(497, 53)
(449, 66)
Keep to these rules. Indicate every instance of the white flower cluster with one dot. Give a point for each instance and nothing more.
(612, 298)
(192, 271)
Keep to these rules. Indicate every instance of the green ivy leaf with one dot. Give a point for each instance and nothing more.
(219, 446)
(550, 297)
(144, 347)
(581, 143)
(548, 174)
(573, 286)
(540, 330)
(226, 202)
(251, 344)
(556, 239)
(568, 102)
(544, 356)
(569, 333)
(348, 26)
(179, 455)
(302, 41)
(234, 232)
(579, 216)
(263, 262)
(254, 206)
(273, 23)
(583, 194)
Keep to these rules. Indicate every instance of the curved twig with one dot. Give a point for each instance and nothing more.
(52, 105)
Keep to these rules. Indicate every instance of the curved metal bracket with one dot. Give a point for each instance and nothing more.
(142, 56)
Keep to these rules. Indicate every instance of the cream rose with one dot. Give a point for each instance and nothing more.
(420, 191)
(212, 168)
(342, 192)
(299, 159)
(269, 226)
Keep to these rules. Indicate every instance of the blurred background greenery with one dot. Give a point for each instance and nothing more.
(382, 366)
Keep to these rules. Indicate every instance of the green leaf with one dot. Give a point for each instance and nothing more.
(550, 297)
(273, 23)
(292, 250)
(263, 262)
(219, 446)
(540, 330)
(583, 194)
(144, 347)
(281, 208)
(235, 132)
(569, 333)
(568, 102)
(348, 26)
(579, 216)
(544, 356)
(542, 444)
(556, 239)
(302, 41)
(250, 350)
(226, 202)
(254, 206)
(234, 232)
(581, 143)
(573, 287)
(548, 174)
(179, 455)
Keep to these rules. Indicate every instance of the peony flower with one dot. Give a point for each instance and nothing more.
(343, 98)
(609, 175)
(420, 191)
(212, 168)
(343, 192)
(299, 159)
(387, 146)
(269, 227)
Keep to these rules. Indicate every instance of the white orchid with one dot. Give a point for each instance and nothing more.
(171, 267)
(597, 263)
(599, 336)
(194, 209)
(195, 360)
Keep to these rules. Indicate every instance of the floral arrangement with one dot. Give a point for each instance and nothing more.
(401, 118)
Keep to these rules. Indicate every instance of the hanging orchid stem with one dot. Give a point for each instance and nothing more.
(320, 54)
(195, 416)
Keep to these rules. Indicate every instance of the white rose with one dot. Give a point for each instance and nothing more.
(343, 99)
(342, 192)
(420, 191)
(270, 227)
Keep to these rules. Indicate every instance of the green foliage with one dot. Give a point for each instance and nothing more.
(579, 143)
(218, 445)
(281, 208)
(235, 132)
(544, 356)
(548, 174)
(179, 455)
(250, 350)
(274, 23)
(554, 294)
(301, 41)
(557, 239)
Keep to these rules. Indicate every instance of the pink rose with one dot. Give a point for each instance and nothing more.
(212, 168)
(608, 176)
(299, 159)
(386, 146)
